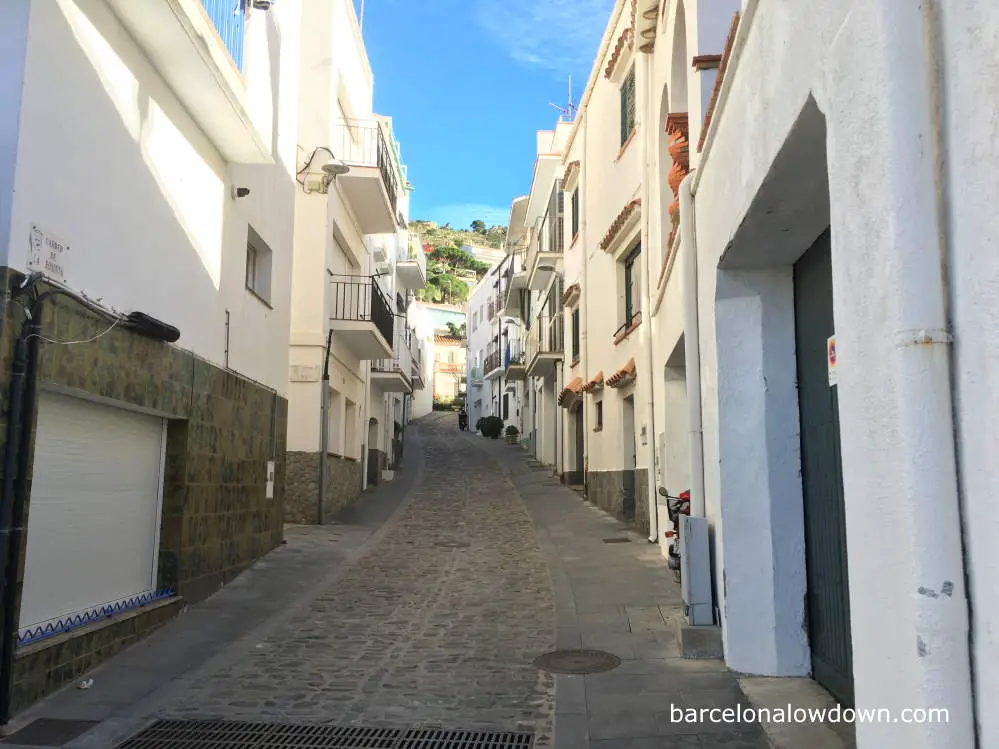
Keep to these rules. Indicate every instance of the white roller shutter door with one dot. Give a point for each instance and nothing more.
(94, 518)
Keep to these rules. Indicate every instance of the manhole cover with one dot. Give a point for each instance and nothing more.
(184, 734)
(617, 540)
(577, 662)
(452, 544)
(49, 732)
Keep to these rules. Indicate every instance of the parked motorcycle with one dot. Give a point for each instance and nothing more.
(676, 506)
(463, 421)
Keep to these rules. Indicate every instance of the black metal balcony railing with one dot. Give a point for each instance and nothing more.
(358, 298)
(493, 362)
(363, 143)
(550, 333)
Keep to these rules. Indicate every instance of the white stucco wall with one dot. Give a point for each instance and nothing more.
(867, 68)
(970, 88)
(139, 193)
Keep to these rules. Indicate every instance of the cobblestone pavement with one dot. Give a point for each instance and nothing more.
(416, 631)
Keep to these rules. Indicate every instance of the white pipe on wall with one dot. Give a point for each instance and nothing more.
(924, 393)
(692, 345)
(651, 136)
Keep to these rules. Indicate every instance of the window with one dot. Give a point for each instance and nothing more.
(632, 277)
(575, 213)
(575, 335)
(599, 416)
(258, 266)
(627, 106)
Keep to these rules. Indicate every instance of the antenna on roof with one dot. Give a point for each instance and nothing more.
(567, 113)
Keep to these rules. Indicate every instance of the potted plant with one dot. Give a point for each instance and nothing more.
(492, 427)
(512, 435)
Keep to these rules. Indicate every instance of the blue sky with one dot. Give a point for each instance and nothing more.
(468, 83)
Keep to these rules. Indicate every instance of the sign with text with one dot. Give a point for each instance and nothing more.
(831, 359)
(47, 254)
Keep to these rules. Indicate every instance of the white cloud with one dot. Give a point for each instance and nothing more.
(461, 215)
(560, 35)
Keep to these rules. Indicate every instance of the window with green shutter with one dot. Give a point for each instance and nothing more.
(628, 106)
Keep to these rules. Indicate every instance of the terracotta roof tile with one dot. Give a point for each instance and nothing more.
(623, 376)
(627, 38)
(571, 294)
(597, 383)
(619, 222)
(575, 387)
(448, 340)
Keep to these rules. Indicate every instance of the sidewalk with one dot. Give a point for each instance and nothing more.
(619, 598)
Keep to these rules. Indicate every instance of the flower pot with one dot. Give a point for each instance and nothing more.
(511, 439)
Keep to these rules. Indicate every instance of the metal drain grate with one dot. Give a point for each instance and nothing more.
(617, 540)
(437, 739)
(192, 734)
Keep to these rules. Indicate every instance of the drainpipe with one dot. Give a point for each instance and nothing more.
(692, 345)
(647, 315)
(324, 429)
(584, 299)
(924, 391)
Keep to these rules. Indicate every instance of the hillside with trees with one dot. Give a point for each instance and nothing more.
(478, 234)
(452, 272)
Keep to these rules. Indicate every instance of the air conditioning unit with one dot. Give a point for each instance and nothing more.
(695, 571)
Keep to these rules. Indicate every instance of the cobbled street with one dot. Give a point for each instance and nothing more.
(424, 606)
(438, 622)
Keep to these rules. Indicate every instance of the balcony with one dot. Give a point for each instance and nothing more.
(514, 361)
(493, 365)
(395, 374)
(197, 46)
(372, 184)
(417, 367)
(544, 254)
(361, 316)
(545, 345)
(411, 269)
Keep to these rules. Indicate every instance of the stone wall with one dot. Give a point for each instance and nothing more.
(622, 494)
(303, 486)
(45, 666)
(222, 431)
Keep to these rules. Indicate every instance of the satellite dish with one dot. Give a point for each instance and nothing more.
(336, 168)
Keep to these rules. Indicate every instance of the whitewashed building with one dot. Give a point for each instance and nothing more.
(147, 169)
(810, 331)
(354, 360)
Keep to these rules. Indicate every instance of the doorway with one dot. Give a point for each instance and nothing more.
(580, 445)
(827, 599)
(374, 461)
(630, 459)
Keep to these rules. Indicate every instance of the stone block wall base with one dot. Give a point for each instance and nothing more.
(302, 491)
(699, 643)
(46, 666)
(607, 490)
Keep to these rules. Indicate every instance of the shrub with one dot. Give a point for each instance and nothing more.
(479, 423)
(492, 426)
(512, 431)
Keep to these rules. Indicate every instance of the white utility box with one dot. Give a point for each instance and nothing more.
(695, 571)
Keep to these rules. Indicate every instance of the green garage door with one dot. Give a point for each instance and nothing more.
(828, 604)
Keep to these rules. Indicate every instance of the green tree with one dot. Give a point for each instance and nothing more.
(457, 331)
(479, 226)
